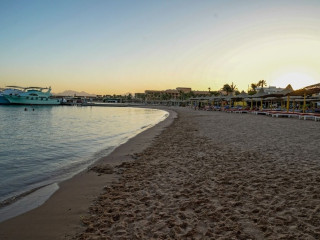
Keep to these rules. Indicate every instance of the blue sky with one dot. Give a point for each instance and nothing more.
(129, 46)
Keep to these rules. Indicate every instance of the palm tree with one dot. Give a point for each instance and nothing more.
(262, 83)
(253, 89)
(233, 87)
(129, 96)
(226, 88)
(229, 88)
(253, 86)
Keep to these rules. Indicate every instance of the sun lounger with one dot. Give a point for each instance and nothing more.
(306, 116)
(237, 110)
(283, 114)
(241, 111)
(262, 112)
(311, 116)
(277, 113)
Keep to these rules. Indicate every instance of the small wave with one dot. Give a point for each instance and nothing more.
(13, 199)
(26, 201)
(146, 126)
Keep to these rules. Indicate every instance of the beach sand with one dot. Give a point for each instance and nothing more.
(209, 175)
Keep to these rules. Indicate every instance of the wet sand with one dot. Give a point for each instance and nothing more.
(209, 175)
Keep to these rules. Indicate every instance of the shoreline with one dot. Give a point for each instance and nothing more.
(59, 216)
(13, 199)
(207, 175)
(28, 196)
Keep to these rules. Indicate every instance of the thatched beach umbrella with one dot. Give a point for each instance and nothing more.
(282, 93)
(242, 96)
(215, 99)
(286, 92)
(270, 99)
(260, 95)
(199, 101)
(294, 100)
(218, 98)
(228, 98)
(309, 90)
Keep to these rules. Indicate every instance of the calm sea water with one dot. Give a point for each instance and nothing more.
(51, 144)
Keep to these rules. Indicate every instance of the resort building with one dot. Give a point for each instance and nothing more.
(201, 93)
(270, 89)
(184, 90)
(140, 96)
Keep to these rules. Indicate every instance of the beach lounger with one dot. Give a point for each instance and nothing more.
(262, 112)
(284, 114)
(307, 116)
(238, 111)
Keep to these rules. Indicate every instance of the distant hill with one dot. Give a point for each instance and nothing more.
(73, 93)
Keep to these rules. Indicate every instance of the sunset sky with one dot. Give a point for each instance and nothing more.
(120, 46)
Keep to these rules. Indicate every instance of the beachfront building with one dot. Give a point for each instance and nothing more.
(270, 89)
(171, 97)
(139, 97)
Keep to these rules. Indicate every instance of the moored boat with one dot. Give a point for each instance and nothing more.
(33, 96)
(10, 90)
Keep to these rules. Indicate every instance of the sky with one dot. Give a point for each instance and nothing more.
(121, 46)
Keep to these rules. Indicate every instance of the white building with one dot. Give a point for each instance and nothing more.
(270, 89)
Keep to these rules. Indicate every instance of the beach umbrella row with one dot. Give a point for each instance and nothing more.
(306, 91)
(285, 94)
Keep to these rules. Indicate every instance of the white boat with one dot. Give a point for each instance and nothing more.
(33, 96)
(10, 90)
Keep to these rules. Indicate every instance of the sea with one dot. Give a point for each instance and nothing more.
(41, 146)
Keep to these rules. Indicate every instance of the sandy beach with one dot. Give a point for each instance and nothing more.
(206, 175)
